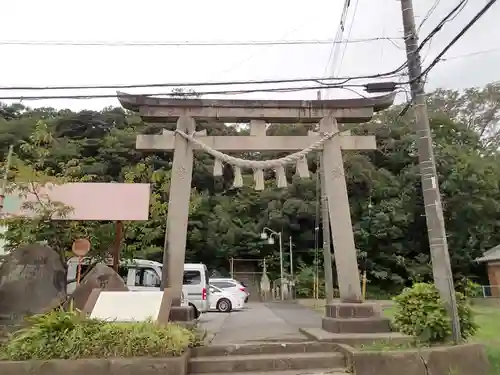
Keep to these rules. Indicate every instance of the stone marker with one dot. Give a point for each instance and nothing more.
(136, 306)
(99, 277)
(32, 281)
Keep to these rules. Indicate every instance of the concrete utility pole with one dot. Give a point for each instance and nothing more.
(438, 244)
(327, 249)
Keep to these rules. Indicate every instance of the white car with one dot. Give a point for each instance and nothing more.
(231, 285)
(224, 301)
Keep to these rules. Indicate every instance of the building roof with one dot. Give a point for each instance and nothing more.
(491, 255)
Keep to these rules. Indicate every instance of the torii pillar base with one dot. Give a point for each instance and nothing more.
(183, 315)
(344, 317)
(171, 311)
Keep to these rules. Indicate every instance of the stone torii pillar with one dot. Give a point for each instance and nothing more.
(258, 113)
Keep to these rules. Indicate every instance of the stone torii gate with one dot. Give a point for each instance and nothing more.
(258, 113)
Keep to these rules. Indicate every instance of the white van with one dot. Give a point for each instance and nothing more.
(142, 274)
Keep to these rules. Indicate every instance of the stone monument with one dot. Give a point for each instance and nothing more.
(32, 281)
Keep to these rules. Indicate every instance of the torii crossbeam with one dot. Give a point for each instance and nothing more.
(259, 113)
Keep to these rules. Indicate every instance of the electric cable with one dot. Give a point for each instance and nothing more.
(454, 40)
(337, 70)
(428, 14)
(229, 92)
(177, 94)
(338, 36)
(193, 84)
(449, 17)
(243, 82)
(189, 44)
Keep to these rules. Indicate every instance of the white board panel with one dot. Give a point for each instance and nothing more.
(127, 306)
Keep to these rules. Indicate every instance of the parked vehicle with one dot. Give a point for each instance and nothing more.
(230, 284)
(224, 300)
(142, 274)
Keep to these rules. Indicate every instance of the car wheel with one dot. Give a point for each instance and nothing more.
(224, 305)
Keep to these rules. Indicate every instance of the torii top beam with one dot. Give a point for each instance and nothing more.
(153, 109)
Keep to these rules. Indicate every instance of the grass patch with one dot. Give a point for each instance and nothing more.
(488, 333)
(68, 335)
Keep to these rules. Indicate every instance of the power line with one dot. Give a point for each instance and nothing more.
(471, 54)
(338, 36)
(191, 84)
(183, 84)
(428, 14)
(228, 83)
(319, 80)
(176, 94)
(348, 36)
(449, 17)
(190, 44)
(434, 31)
(456, 38)
(261, 49)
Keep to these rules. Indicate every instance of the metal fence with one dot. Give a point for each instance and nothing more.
(490, 291)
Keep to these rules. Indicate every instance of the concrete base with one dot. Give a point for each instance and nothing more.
(360, 325)
(468, 359)
(182, 314)
(345, 317)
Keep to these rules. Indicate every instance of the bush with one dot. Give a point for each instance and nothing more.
(470, 288)
(69, 335)
(421, 313)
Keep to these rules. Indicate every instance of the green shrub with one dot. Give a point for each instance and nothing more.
(470, 288)
(198, 336)
(69, 335)
(420, 312)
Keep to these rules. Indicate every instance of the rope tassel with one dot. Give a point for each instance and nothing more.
(238, 178)
(302, 168)
(281, 177)
(217, 167)
(258, 176)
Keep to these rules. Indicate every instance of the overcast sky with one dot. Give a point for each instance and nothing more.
(224, 20)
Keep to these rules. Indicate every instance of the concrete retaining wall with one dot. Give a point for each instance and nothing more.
(469, 359)
(91, 366)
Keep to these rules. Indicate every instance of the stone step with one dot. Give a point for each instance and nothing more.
(263, 348)
(338, 371)
(355, 339)
(265, 362)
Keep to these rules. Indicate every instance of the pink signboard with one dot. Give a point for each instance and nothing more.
(92, 201)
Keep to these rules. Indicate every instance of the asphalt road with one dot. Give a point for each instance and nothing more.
(260, 322)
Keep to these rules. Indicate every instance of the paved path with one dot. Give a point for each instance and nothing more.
(260, 322)
(296, 315)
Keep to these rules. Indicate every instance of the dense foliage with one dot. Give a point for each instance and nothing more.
(384, 188)
(419, 312)
(69, 335)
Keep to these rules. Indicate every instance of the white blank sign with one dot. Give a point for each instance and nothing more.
(127, 306)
